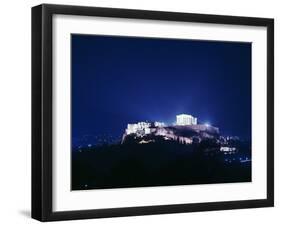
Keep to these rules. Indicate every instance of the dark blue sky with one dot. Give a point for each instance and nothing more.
(119, 80)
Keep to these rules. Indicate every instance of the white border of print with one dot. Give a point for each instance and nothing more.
(64, 199)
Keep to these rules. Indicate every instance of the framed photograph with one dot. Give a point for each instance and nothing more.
(145, 112)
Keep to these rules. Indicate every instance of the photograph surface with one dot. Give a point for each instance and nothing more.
(159, 112)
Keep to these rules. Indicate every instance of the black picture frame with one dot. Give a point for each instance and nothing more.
(42, 111)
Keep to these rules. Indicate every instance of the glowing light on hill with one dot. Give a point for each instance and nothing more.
(184, 120)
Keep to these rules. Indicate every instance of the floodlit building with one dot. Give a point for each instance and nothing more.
(159, 124)
(186, 120)
(138, 127)
(185, 124)
(228, 149)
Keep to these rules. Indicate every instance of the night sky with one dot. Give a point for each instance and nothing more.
(120, 80)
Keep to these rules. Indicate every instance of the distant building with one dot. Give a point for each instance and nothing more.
(228, 149)
(140, 127)
(186, 120)
(159, 124)
(185, 131)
